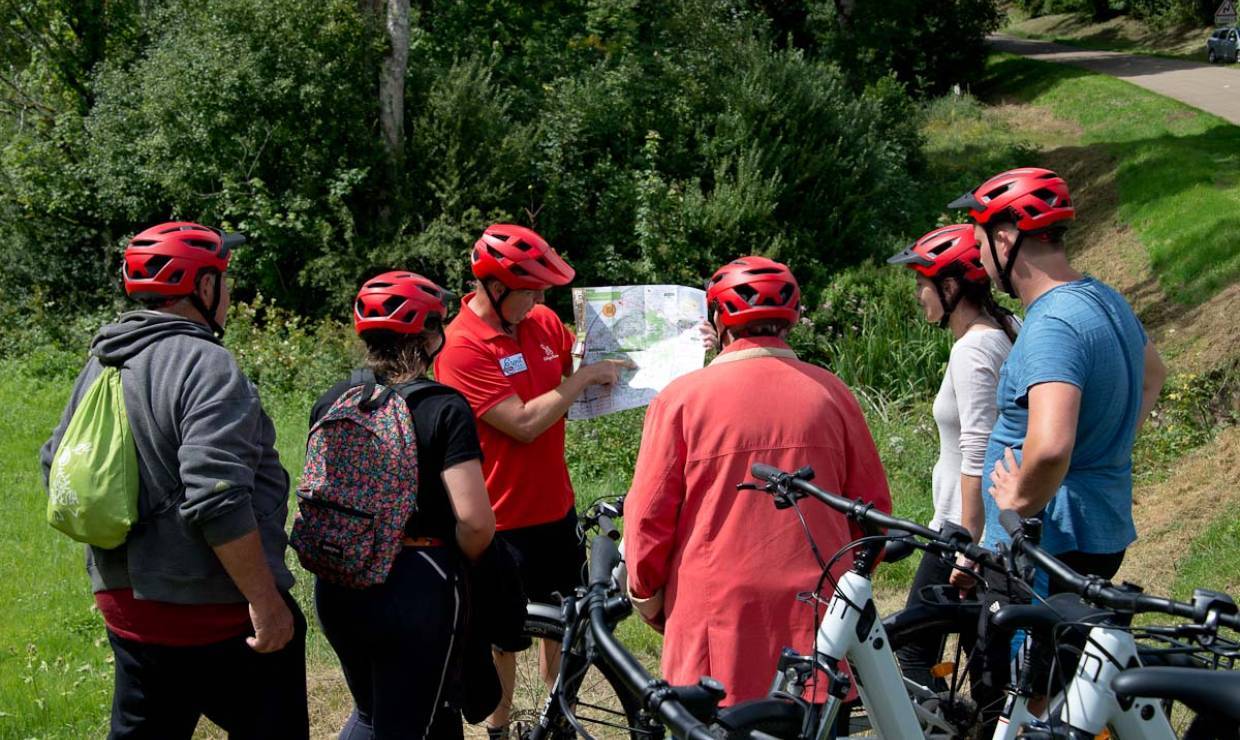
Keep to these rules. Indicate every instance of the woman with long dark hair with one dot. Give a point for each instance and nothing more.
(954, 292)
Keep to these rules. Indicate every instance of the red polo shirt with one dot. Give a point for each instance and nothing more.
(528, 483)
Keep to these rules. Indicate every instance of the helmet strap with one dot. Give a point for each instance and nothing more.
(948, 306)
(497, 304)
(1005, 269)
(443, 340)
(208, 312)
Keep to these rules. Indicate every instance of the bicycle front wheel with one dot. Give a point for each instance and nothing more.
(602, 705)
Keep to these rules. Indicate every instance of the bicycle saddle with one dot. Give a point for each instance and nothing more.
(1204, 691)
(1058, 609)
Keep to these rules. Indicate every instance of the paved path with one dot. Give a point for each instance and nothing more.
(1214, 88)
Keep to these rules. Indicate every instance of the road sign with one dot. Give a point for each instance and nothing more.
(1226, 14)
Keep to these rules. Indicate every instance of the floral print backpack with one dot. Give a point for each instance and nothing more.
(359, 485)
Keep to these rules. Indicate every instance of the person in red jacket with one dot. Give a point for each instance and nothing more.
(719, 570)
(511, 357)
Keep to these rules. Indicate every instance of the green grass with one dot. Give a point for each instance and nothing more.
(55, 672)
(1213, 559)
(1182, 42)
(1177, 169)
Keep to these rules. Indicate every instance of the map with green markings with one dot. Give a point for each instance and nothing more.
(657, 327)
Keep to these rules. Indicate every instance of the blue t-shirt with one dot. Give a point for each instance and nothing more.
(1083, 333)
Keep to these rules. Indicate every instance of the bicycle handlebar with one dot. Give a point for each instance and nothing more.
(866, 514)
(1100, 591)
(656, 695)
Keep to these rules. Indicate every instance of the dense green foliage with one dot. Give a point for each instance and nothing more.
(649, 141)
(928, 44)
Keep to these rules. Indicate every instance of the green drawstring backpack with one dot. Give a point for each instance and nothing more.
(93, 485)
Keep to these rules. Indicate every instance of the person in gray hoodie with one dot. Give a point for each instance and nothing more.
(196, 600)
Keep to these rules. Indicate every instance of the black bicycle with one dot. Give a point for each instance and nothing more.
(588, 697)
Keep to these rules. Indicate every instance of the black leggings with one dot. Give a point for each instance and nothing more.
(399, 645)
(917, 657)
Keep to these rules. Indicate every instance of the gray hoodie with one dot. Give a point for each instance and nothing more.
(206, 456)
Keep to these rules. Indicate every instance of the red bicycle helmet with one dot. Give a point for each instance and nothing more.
(1034, 198)
(519, 258)
(753, 289)
(948, 251)
(163, 262)
(401, 302)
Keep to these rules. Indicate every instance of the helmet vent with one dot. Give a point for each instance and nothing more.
(747, 293)
(429, 291)
(785, 293)
(944, 247)
(518, 270)
(176, 276)
(997, 191)
(494, 252)
(201, 244)
(499, 236)
(410, 317)
(1032, 211)
(154, 265)
(764, 271)
(393, 303)
(1049, 196)
(375, 286)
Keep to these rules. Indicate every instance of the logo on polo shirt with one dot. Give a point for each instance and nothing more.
(549, 354)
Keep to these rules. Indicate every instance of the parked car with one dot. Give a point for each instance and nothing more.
(1223, 45)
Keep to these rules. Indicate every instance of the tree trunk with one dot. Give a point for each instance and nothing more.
(392, 79)
(392, 101)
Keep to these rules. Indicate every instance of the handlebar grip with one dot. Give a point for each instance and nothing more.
(1011, 522)
(765, 472)
(607, 527)
(604, 557)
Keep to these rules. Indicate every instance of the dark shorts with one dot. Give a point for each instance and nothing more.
(549, 556)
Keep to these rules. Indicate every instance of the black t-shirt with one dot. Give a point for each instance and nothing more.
(444, 426)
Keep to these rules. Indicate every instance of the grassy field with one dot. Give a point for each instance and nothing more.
(1166, 168)
(1116, 34)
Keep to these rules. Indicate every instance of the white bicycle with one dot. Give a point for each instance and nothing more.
(851, 632)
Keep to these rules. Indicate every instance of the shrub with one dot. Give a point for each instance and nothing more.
(287, 355)
(929, 45)
(867, 327)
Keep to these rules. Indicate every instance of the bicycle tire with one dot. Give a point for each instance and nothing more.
(604, 707)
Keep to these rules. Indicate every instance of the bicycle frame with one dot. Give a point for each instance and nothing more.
(1091, 706)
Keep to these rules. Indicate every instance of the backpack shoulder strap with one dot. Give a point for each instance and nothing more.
(420, 388)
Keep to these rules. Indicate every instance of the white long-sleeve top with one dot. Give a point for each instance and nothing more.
(965, 412)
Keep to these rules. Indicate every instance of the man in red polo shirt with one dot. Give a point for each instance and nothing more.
(511, 357)
(719, 569)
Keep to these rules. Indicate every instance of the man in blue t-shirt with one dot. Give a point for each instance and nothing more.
(1081, 378)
